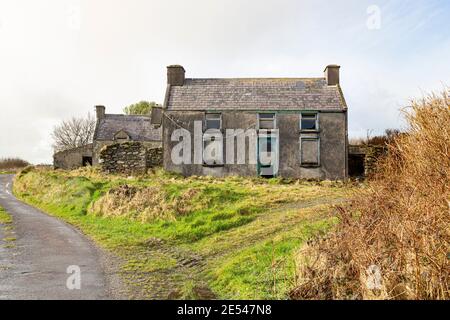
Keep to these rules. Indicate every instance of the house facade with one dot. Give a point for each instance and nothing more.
(288, 127)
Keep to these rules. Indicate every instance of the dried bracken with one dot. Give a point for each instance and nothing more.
(393, 239)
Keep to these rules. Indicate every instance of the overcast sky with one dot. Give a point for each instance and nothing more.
(59, 58)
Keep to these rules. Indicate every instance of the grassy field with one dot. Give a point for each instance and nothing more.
(196, 237)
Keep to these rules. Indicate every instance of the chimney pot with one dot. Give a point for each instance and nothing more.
(175, 75)
(100, 110)
(332, 74)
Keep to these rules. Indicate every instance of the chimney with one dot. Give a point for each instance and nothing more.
(332, 74)
(175, 75)
(100, 110)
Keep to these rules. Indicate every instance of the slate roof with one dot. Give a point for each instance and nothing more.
(255, 94)
(137, 127)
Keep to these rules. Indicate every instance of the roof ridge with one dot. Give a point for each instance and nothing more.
(262, 78)
(126, 115)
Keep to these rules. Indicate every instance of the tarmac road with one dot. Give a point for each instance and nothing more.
(35, 265)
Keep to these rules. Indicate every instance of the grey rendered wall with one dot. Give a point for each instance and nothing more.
(333, 147)
(71, 159)
(333, 143)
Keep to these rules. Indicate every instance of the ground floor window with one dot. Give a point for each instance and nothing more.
(310, 151)
(212, 149)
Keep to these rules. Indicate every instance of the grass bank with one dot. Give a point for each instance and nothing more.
(196, 237)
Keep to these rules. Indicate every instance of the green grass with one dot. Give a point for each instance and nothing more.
(266, 269)
(244, 232)
(5, 218)
(7, 227)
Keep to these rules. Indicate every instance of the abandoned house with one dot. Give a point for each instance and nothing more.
(302, 122)
(111, 129)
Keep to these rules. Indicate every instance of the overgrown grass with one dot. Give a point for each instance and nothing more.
(223, 221)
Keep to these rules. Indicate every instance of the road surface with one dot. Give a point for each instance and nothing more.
(48, 259)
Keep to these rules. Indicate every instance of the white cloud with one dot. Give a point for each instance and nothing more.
(51, 70)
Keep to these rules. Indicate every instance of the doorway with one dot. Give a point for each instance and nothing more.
(268, 159)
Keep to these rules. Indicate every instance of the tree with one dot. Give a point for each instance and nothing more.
(73, 133)
(142, 107)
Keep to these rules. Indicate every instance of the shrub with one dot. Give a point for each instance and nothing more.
(12, 163)
(393, 239)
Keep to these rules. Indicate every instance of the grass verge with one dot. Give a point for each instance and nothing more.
(183, 237)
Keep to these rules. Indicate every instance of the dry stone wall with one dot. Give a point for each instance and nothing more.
(129, 158)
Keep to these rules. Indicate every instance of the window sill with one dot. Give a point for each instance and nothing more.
(309, 131)
(310, 165)
(212, 165)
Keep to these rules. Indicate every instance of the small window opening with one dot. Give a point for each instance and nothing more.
(213, 121)
(266, 121)
(309, 122)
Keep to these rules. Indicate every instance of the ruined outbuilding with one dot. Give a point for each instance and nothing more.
(111, 129)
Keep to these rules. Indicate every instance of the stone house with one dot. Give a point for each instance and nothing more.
(118, 128)
(300, 124)
(111, 129)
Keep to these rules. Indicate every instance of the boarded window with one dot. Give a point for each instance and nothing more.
(266, 121)
(309, 151)
(213, 121)
(309, 122)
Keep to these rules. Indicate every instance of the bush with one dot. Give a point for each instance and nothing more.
(12, 163)
(393, 239)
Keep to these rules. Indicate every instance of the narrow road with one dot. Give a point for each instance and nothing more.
(44, 259)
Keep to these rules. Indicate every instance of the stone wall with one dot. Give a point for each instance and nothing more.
(363, 159)
(154, 157)
(129, 158)
(99, 145)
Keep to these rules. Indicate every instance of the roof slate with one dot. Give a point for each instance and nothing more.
(137, 127)
(256, 94)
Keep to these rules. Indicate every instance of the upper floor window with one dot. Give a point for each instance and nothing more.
(266, 121)
(309, 122)
(213, 121)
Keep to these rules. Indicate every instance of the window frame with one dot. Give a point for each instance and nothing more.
(266, 119)
(205, 122)
(309, 164)
(316, 114)
(208, 135)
